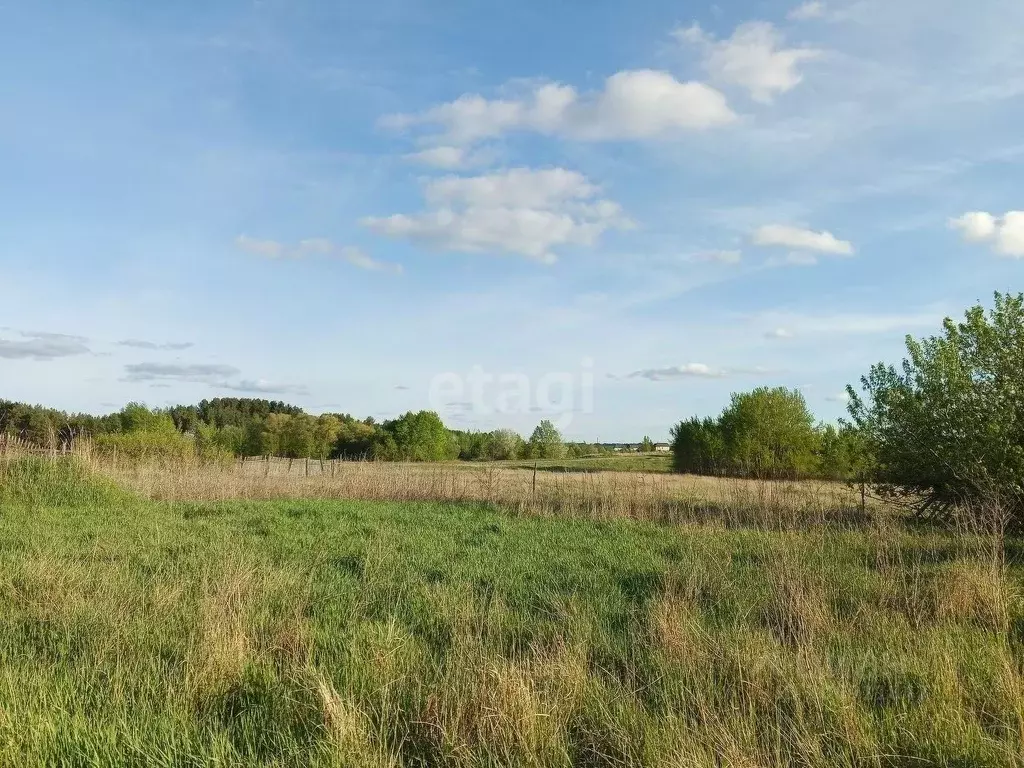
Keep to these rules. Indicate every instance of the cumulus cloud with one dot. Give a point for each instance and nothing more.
(753, 58)
(634, 104)
(317, 246)
(156, 346)
(42, 345)
(1005, 233)
(521, 211)
(810, 10)
(195, 373)
(801, 240)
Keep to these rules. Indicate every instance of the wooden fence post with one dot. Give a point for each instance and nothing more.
(535, 479)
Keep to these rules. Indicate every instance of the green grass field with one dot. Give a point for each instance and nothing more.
(375, 633)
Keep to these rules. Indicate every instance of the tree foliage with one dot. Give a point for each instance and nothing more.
(419, 436)
(947, 429)
(546, 442)
(766, 433)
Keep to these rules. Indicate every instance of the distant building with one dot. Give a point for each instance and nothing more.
(662, 447)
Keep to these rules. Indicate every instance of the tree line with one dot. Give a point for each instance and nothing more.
(941, 432)
(224, 427)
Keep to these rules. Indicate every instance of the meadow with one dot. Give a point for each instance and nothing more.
(391, 615)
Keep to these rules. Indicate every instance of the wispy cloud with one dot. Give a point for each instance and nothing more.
(691, 371)
(263, 387)
(272, 249)
(223, 377)
(42, 346)
(195, 373)
(805, 243)
(753, 58)
(809, 10)
(720, 257)
(847, 323)
(154, 346)
(450, 158)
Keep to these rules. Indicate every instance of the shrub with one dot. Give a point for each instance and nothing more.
(947, 429)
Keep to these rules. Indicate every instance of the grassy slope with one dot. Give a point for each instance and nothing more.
(359, 633)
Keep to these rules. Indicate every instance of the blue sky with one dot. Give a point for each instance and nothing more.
(629, 209)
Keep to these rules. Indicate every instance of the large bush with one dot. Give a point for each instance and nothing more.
(946, 430)
(420, 436)
(768, 432)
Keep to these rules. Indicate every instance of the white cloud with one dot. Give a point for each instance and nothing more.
(318, 246)
(779, 333)
(752, 58)
(976, 226)
(814, 9)
(449, 158)
(634, 104)
(1005, 233)
(839, 397)
(521, 210)
(800, 239)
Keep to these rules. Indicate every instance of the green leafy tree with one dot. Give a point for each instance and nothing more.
(504, 445)
(325, 435)
(769, 432)
(646, 445)
(946, 430)
(546, 442)
(274, 440)
(298, 436)
(698, 447)
(420, 436)
(136, 417)
(355, 440)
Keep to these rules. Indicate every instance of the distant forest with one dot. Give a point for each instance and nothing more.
(254, 427)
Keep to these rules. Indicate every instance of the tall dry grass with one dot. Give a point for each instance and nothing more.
(655, 497)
